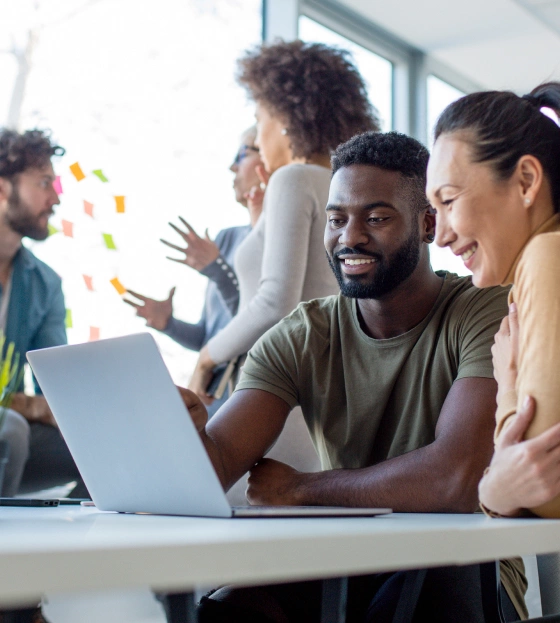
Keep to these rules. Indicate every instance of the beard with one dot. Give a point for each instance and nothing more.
(21, 219)
(389, 273)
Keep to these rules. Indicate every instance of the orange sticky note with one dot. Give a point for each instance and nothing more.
(77, 172)
(120, 204)
(88, 208)
(89, 282)
(118, 286)
(94, 333)
(68, 228)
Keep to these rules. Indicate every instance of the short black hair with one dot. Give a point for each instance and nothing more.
(391, 151)
(31, 150)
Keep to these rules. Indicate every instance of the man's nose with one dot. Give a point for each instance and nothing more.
(353, 234)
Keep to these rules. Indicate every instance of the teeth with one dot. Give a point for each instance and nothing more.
(358, 262)
(468, 253)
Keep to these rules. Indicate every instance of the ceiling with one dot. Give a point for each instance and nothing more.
(498, 44)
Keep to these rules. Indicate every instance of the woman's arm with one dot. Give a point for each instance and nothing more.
(289, 212)
(522, 474)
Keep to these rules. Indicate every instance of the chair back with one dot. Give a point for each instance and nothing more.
(549, 581)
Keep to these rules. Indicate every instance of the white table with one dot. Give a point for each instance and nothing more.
(55, 550)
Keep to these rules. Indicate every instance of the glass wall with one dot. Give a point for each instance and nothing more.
(376, 70)
(440, 95)
(145, 95)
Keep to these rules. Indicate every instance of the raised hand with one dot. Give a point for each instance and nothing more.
(255, 196)
(199, 252)
(156, 313)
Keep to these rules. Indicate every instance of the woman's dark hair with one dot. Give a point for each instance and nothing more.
(316, 90)
(31, 150)
(504, 127)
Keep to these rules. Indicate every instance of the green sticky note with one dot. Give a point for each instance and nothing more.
(68, 318)
(53, 230)
(109, 242)
(99, 173)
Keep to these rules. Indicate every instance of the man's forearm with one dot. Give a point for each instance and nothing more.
(415, 482)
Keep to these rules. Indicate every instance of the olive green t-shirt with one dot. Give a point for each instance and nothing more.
(367, 400)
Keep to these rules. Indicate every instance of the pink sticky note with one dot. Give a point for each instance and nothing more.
(68, 228)
(94, 333)
(89, 282)
(88, 208)
(57, 185)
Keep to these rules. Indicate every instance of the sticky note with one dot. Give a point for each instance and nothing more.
(94, 333)
(118, 286)
(99, 173)
(88, 208)
(77, 172)
(89, 282)
(68, 228)
(53, 230)
(109, 242)
(57, 185)
(120, 204)
(68, 318)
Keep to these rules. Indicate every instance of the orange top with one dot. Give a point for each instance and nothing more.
(536, 292)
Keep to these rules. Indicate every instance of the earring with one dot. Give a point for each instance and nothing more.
(284, 131)
(430, 237)
(527, 201)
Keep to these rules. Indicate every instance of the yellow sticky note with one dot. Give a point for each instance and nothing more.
(118, 286)
(120, 204)
(77, 172)
(68, 318)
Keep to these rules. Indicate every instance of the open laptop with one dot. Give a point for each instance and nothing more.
(132, 437)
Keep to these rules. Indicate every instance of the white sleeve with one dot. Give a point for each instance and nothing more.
(290, 208)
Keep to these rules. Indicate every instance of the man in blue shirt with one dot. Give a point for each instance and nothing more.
(32, 311)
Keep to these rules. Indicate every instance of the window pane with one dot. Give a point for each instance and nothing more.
(376, 70)
(440, 95)
(147, 94)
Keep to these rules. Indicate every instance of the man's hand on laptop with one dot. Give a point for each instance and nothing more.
(33, 409)
(272, 483)
(196, 408)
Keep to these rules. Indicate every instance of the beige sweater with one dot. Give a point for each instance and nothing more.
(536, 292)
(282, 262)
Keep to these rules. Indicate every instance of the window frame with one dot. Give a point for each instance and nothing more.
(411, 66)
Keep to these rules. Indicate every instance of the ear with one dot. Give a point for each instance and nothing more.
(530, 176)
(428, 217)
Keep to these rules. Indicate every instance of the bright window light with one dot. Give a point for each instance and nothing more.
(145, 93)
(440, 95)
(376, 70)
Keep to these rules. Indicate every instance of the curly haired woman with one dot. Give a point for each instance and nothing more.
(309, 99)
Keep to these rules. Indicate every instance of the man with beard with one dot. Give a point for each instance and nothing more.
(32, 312)
(395, 380)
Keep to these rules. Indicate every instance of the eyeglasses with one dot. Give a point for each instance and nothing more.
(243, 153)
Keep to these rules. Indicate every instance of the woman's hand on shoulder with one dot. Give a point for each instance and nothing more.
(522, 474)
(505, 352)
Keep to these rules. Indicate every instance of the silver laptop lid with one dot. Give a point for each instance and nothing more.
(128, 429)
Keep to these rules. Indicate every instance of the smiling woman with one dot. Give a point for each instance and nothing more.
(495, 181)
